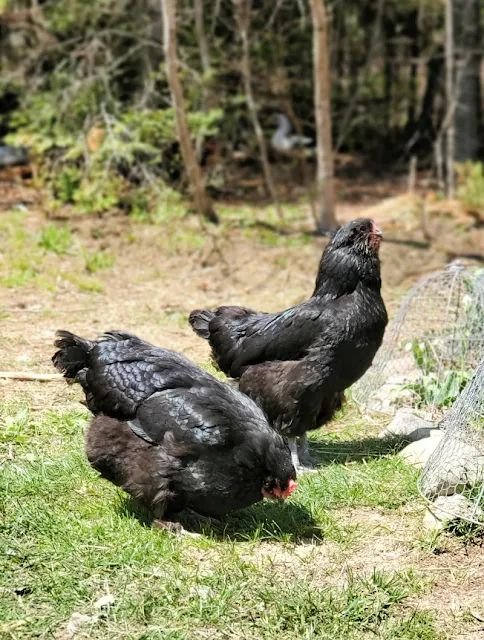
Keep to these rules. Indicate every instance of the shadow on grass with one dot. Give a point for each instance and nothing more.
(324, 452)
(266, 520)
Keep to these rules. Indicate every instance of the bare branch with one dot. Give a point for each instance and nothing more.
(202, 40)
(196, 184)
(30, 375)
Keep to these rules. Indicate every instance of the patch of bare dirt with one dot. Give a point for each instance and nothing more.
(155, 282)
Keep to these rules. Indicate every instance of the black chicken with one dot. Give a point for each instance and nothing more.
(169, 433)
(297, 363)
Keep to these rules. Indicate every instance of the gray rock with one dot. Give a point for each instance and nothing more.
(408, 426)
(417, 453)
(447, 509)
(457, 465)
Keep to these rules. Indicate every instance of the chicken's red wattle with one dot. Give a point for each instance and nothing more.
(291, 487)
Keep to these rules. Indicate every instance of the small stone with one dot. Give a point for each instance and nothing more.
(202, 592)
(431, 523)
(104, 602)
(74, 626)
(446, 509)
(407, 425)
(417, 453)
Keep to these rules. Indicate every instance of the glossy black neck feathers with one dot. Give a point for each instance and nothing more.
(342, 268)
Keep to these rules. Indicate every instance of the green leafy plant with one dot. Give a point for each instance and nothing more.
(424, 356)
(66, 183)
(98, 193)
(446, 358)
(438, 391)
(55, 239)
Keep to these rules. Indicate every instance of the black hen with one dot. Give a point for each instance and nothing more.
(170, 434)
(297, 363)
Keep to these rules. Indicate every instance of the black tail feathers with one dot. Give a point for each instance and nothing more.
(199, 320)
(72, 355)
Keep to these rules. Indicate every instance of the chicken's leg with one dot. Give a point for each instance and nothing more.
(300, 468)
(303, 452)
(292, 442)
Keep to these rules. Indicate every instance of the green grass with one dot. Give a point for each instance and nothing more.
(98, 260)
(20, 258)
(68, 538)
(55, 239)
(41, 259)
(84, 283)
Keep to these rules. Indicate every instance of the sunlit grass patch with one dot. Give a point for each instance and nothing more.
(84, 283)
(97, 260)
(68, 537)
(18, 270)
(54, 238)
(43, 259)
(210, 367)
(20, 259)
(174, 317)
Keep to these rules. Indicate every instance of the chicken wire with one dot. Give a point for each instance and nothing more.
(456, 467)
(430, 347)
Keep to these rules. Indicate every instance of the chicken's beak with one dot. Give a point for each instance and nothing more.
(376, 231)
(280, 494)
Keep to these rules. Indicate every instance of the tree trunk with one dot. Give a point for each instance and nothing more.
(450, 98)
(426, 126)
(414, 36)
(322, 108)
(242, 13)
(202, 40)
(467, 57)
(389, 71)
(196, 184)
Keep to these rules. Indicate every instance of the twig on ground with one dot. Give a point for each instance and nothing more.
(30, 375)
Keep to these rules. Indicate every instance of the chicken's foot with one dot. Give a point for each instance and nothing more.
(174, 527)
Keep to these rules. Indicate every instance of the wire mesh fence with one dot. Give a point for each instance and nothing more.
(431, 347)
(456, 467)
